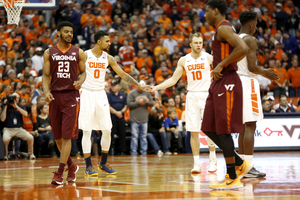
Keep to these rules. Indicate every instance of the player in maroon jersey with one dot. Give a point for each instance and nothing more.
(223, 109)
(62, 63)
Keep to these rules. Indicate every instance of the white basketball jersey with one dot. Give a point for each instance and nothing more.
(95, 71)
(243, 65)
(198, 73)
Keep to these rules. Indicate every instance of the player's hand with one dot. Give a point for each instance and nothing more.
(77, 85)
(217, 72)
(153, 88)
(270, 74)
(49, 97)
(146, 88)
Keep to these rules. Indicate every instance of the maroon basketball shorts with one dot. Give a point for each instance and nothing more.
(224, 105)
(63, 114)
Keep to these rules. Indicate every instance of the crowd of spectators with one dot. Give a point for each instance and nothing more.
(147, 39)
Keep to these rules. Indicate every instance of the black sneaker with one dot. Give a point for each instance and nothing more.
(254, 173)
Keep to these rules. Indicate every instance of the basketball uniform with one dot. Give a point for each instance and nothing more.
(224, 104)
(199, 78)
(94, 109)
(63, 110)
(252, 108)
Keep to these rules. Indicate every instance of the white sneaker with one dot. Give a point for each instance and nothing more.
(196, 169)
(7, 157)
(160, 153)
(212, 165)
(31, 157)
(168, 153)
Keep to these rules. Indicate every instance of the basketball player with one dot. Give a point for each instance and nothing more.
(252, 108)
(94, 109)
(62, 63)
(223, 109)
(197, 65)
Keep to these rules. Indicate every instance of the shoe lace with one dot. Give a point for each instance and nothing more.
(108, 166)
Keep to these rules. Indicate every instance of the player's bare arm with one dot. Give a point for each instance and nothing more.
(175, 77)
(126, 77)
(46, 77)
(226, 34)
(251, 59)
(81, 65)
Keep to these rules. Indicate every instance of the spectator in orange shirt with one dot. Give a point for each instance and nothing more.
(185, 25)
(145, 61)
(162, 73)
(5, 90)
(207, 31)
(126, 54)
(171, 103)
(23, 92)
(266, 17)
(86, 17)
(32, 35)
(294, 79)
(11, 77)
(178, 37)
(106, 6)
(103, 16)
(134, 20)
(288, 9)
(3, 35)
(243, 7)
(235, 13)
(160, 49)
(277, 51)
(164, 20)
(11, 39)
(279, 85)
(16, 48)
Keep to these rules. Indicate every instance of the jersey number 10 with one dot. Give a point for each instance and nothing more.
(197, 75)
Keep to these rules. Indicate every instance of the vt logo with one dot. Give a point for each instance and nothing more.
(291, 131)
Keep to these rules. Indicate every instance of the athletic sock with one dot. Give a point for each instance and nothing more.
(196, 159)
(88, 161)
(212, 155)
(103, 158)
(69, 162)
(61, 168)
(249, 158)
(231, 170)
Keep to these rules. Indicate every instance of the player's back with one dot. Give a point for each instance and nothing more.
(95, 71)
(63, 67)
(198, 72)
(221, 50)
(243, 69)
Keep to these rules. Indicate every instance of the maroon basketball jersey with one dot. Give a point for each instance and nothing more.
(221, 50)
(64, 67)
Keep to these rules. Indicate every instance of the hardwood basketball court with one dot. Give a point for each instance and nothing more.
(150, 177)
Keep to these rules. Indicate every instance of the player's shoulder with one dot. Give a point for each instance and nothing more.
(183, 59)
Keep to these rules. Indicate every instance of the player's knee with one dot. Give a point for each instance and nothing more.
(250, 126)
(106, 133)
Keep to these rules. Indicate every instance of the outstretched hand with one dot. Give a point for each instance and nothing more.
(146, 88)
(270, 74)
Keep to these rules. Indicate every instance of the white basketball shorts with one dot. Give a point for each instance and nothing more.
(94, 111)
(194, 109)
(252, 108)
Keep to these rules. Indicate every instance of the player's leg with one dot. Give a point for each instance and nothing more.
(241, 143)
(105, 144)
(195, 144)
(212, 155)
(86, 148)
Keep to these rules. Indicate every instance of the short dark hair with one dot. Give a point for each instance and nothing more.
(221, 5)
(282, 95)
(63, 24)
(39, 107)
(247, 16)
(99, 35)
(25, 86)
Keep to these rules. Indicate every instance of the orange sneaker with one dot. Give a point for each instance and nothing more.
(227, 184)
(242, 170)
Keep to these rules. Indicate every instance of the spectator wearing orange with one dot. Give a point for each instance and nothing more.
(234, 12)
(279, 85)
(162, 73)
(207, 31)
(106, 6)
(11, 40)
(32, 35)
(145, 61)
(126, 54)
(46, 37)
(103, 16)
(86, 17)
(3, 52)
(24, 92)
(16, 48)
(160, 49)
(11, 77)
(178, 37)
(3, 35)
(267, 18)
(277, 51)
(25, 28)
(185, 25)
(171, 103)
(294, 79)
(289, 7)
(243, 7)
(134, 20)
(165, 21)
(5, 90)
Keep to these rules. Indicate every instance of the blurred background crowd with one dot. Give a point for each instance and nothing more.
(147, 39)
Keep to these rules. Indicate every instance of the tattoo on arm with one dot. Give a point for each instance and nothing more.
(130, 80)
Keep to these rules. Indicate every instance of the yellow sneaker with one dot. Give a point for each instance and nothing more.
(227, 184)
(243, 169)
(229, 193)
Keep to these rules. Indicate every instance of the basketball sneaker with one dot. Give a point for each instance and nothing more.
(254, 173)
(196, 169)
(107, 168)
(212, 167)
(90, 171)
(57, 179)
(160, 153)
(168, 153)
(72, 170)
(227, 184)
(230, 193)
(243, 169)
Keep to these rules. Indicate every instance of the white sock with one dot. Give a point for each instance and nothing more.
(212, 155)
(249, 158)
(242, 156)
(196, 159)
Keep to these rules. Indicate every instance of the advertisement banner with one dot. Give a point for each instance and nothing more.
(270, 132)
